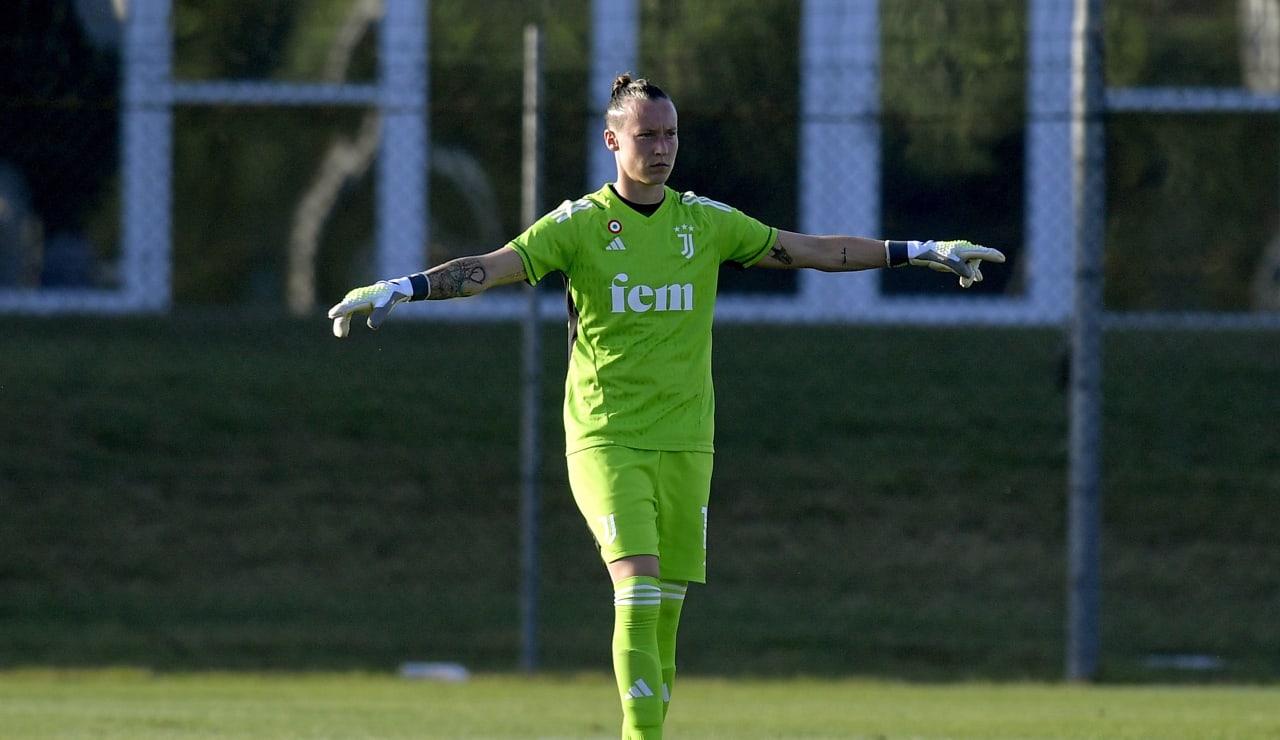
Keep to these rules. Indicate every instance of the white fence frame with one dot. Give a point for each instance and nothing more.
(149, 96)
(844, 55)
(839, 51)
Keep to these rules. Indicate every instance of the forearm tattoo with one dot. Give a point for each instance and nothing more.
(459, 277)
(780, 254)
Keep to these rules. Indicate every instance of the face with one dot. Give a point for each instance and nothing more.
(645, 144)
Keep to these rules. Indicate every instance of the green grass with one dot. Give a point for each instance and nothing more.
(237, 492)
(35, 705)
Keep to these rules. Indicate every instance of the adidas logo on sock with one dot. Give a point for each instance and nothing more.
(616, 245)
(639, 690)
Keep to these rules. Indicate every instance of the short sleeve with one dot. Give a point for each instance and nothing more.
(763, 242)
(749, 240)
(548, 246)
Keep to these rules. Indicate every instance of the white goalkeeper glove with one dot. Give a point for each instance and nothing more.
(959, 257)
(377, 300)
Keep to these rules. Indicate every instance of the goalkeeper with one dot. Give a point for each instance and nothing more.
(641, 262)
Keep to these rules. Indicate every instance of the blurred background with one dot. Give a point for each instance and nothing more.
(194, 475)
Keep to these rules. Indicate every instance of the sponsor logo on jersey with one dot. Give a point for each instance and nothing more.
(644, 298)
(616, 245)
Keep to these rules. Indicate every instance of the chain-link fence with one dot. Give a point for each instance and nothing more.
(164, 153)
(131, 143)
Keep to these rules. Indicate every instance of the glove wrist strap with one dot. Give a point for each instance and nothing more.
(421, 286)
(896, 253)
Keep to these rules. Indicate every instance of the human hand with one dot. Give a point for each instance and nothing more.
(377, 300)
(959, 257)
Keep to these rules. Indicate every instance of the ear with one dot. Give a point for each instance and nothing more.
(611, 140)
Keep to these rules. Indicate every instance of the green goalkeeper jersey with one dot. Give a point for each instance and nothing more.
(642, 290)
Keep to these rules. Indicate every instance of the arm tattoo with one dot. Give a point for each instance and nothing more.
(780, 254)
(456, 278)
(844, 255)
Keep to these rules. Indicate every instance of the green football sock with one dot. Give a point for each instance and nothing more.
(668, 623)
(635, 656)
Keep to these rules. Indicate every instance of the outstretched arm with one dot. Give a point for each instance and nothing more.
(456, 278)
(849, 253)
(827, 253)
(466, 276)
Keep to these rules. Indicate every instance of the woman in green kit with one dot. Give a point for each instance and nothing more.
(642, 262)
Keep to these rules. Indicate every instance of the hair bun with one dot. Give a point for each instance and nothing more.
(620, 83)
(626, 88)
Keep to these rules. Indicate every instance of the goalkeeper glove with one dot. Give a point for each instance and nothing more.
(377, 300)
(959, 257)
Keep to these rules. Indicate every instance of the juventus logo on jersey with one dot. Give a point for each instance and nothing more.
(685, 232)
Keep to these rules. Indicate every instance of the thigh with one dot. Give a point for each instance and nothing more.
(684, 490)
(616, 490)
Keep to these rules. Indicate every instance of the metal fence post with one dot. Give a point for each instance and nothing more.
(1086, 334)
(530, 439)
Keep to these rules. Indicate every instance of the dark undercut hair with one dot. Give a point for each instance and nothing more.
(625, 88)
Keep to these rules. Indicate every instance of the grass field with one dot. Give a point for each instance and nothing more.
(120, 705)
(238, 492)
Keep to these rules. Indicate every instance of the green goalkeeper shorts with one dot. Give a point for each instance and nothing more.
(646, 502)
